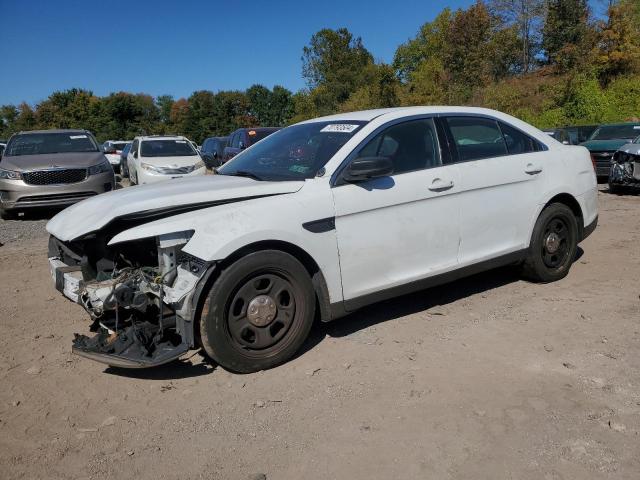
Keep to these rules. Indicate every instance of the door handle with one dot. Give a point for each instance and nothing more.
(439, 185)
(532, 169)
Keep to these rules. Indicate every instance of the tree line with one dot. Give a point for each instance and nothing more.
(549, 62)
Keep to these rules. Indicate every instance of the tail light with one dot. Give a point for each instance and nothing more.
(593, 161)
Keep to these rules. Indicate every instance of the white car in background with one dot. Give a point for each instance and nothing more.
(112, 150)
(315, 221)
(157, 158)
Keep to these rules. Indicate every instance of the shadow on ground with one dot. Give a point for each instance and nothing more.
(369, 316)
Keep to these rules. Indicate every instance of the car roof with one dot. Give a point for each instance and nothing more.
(368, 115)
(622, 124)
(55, 130)
(162, 137)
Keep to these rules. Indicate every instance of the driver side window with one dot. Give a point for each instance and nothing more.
(411, 146)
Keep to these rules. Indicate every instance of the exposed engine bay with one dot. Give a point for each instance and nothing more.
(625, 168)
(140, 295)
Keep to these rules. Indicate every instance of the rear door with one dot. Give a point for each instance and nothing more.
(502, 171)
(395, 230)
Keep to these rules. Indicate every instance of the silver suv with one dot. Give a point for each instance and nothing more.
(48, 168)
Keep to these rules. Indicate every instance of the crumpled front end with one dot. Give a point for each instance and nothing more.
(141, 295)
(625, 168)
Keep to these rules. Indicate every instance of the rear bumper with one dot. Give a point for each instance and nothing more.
(589, 229)
(18, 195)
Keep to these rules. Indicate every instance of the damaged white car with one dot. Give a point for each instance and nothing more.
(316, 221)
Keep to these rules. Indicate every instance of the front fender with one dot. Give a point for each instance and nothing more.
(222, 230)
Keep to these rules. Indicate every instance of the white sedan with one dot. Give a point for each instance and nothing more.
(316, 221)
(154, 159)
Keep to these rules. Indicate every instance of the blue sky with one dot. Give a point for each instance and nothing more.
(161, 47)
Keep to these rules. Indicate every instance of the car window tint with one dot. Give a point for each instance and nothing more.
(477, 137)
(410, 145)
(519, 142)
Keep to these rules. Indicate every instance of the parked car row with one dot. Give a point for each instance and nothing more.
(608, 145)
(218, 150)
(55, 168)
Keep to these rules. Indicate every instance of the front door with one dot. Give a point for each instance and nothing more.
(398, 229)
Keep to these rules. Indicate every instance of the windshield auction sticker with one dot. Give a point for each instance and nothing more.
(340, 128)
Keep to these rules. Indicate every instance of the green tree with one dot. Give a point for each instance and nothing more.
(164, 103)
(566, 33)
(337, 61)
(382, 91)
(427, 46)
(526, 17)
(618, 51)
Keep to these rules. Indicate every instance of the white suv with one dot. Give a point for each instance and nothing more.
(156, 158)
(316, 221)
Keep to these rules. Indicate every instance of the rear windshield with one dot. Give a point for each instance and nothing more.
(47, 143)
(166, 148)
(616, 132)
(257, 135)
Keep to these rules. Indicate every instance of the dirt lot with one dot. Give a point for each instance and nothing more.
(486, 378)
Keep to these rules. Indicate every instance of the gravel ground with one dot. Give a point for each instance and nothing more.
(489, 377)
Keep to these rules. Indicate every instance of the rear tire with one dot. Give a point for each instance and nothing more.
(553, 246)
(259, 312)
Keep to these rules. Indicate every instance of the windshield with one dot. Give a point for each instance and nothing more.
(47, 143)
(294, 153)
(616, 132)
(166, 148)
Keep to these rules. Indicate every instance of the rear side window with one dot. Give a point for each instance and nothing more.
(235, 141)
(410, 145)
(519, 142)
(477, 137)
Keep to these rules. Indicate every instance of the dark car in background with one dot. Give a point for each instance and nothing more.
(124, 167)
(212, 151)
(51, 168)
(605, 141)
(112, 150)
(244, 138)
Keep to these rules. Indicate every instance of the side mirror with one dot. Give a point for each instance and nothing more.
(214, 154)
(365, 168)
(135, 154)
(207, 157)
(242, 146)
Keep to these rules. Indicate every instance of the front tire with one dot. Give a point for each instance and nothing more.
(259, 312)
(553, 246)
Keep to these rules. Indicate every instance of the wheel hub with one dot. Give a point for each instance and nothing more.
(552, 242)
(261, 310)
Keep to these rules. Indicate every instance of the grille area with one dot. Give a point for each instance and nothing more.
(175, 171)
(55, 177)
(56, 197)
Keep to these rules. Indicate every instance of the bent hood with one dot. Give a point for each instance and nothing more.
(604, 145)
(189, 193)
(631, 148)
